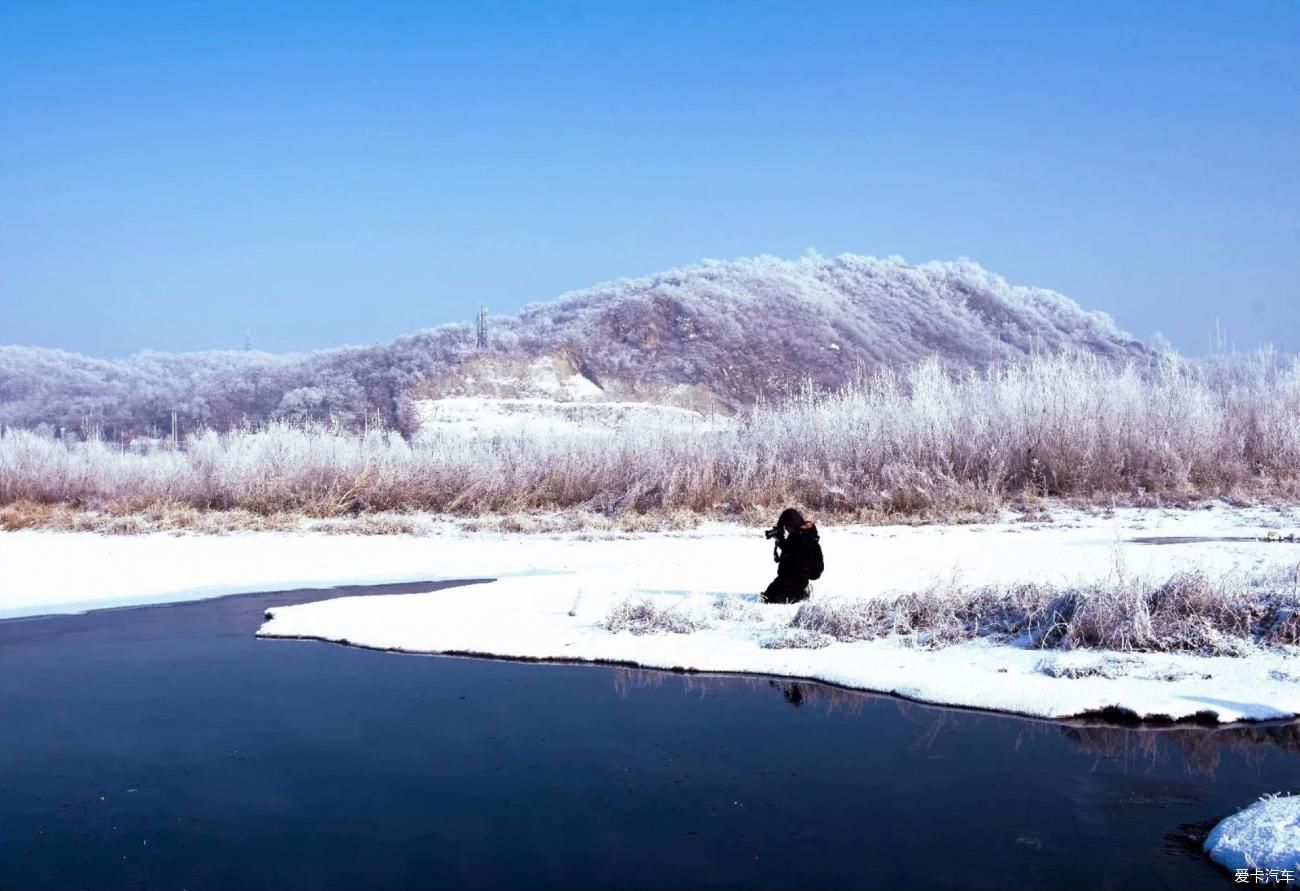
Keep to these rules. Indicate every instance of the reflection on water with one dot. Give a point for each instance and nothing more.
(1201, 750)
(825, 697)
(1195, 749)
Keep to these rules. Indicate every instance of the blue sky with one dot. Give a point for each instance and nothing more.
(174, 174)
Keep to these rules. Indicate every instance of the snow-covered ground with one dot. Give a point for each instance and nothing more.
(552, 593)
(483, 416)
(1264, 837)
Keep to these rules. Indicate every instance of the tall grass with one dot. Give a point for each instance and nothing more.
(925, 441)
(1189, 612)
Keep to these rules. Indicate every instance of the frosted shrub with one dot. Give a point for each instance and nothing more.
(796, 639)
(845, 620)
(640, 615)
(1189, 612)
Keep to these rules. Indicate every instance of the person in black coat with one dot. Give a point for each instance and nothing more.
(798, 555)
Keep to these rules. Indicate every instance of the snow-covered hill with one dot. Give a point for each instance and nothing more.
(711, 336)
(752, 327)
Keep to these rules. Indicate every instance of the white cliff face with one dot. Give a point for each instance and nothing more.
(547, 397)
(534, 418)
(552, 376)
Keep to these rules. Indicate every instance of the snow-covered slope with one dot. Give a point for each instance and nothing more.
(547, 396)
(753, 327)
(477, 416)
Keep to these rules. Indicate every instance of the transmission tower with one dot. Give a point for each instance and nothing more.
(481, 327)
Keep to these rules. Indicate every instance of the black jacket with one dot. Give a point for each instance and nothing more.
(800, 556)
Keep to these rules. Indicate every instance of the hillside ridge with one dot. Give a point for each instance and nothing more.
(721, 333)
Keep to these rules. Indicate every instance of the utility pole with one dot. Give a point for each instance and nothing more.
(482, 328)
(173, 429)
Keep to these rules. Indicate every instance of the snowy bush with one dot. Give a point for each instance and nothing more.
(1189, 612)
(936, 617)
(640, 615)
(845, 620)
(796, 639)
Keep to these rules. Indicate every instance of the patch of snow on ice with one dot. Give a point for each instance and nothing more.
(1264, 836)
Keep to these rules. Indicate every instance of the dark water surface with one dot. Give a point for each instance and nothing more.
(166, 747)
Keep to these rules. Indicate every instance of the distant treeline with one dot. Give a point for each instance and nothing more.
(68, 394)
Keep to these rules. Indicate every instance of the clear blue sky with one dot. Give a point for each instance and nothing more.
(173, 173)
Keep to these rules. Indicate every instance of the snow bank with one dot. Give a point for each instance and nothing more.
(553, 593)
(60, 572)
(562, 617)
(1265, 836)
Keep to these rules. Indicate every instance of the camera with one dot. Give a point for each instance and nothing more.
(774, 532)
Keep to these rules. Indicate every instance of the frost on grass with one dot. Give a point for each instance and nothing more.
(1114, 666)
(1264, 836)
(935, 617)
(1188, 613)
(734, 608)
(1110, 667)
(796, 639)
(915, 441)
(640, 615)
